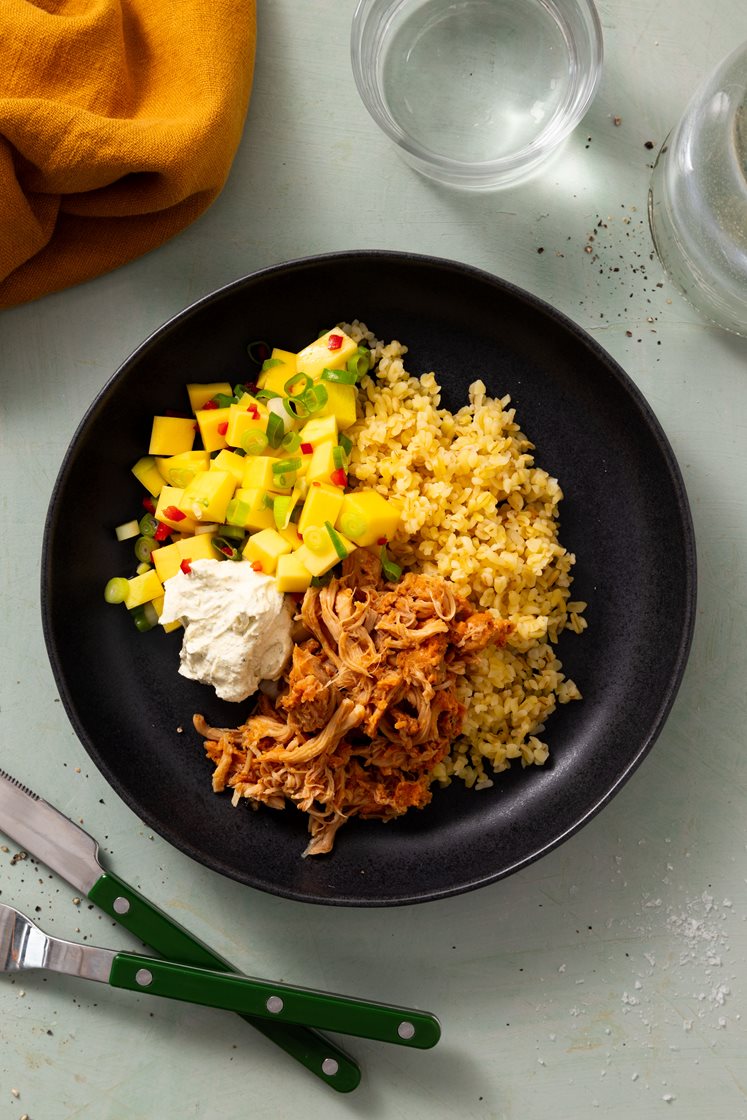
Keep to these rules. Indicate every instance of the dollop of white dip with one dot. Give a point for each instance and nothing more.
(236, 626)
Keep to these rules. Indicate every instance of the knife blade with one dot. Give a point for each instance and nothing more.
(68, 850)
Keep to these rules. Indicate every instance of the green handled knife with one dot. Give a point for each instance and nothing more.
(71, 853)
(24, 946)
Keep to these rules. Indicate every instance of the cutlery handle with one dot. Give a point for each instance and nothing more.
(377, 1021)
(323, 1058)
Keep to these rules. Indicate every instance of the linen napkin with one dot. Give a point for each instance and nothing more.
(119, 121)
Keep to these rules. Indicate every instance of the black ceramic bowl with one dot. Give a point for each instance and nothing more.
(625, 515)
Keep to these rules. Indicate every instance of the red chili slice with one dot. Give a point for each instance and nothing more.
(256, 566)
(186, 566)
(307, 448)
(148, 504)
(222, 428)
(162, 532)
(338, 477)
(254, 411)
(334, 342)
(382, 540)
(174, 514)
(209, 404)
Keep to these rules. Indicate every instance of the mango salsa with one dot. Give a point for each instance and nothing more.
(265, 548)
(146, 472)
(170, 435)
(292, 574)
(208, 494)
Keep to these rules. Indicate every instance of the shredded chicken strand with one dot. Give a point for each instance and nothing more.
(368, 706)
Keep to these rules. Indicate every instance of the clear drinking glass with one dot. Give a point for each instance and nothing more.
(697, 201)
(476, 93)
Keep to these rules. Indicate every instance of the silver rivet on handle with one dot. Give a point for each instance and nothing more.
(274, 1004)
(144, 977)
(406, 1030)
(120, 905)
(330, 1067)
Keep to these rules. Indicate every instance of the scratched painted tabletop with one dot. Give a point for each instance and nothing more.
(610, 975)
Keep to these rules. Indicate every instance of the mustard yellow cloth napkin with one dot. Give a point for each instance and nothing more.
(119, 120)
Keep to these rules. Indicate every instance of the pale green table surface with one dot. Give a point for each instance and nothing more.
(612, 974)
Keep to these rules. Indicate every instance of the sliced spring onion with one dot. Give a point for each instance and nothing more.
(223, 400)
(336, 539)
(353, 524)
(291, 441)
(258, 351)
(276, 407)
(340, 376)
(144, 617)
(339, 458)
(266, 394)
(346, 443)
(239, 390)
(282, 507)
(144, 546)
(180, 477)
(270, 363)
(290, 384)
(232, 532)
(282, 466)
(148, 525)
(321, 581)
(224, 548)
(296, 408)
(127, 530)
(390, 570)
(237, 512)
(315, 538)
(205, 527)
(141, 569)
(254, 441)
(275, 430)
(268, 501)
(360, 363)
(116, 590)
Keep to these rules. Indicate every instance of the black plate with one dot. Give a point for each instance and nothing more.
(625, 515)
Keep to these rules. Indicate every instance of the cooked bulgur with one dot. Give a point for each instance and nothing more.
(478, 511)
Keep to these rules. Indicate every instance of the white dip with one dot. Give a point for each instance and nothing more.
(236, 626)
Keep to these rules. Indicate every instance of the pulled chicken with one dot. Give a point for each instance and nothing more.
(368, 706)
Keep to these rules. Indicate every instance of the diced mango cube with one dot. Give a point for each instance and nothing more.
(258, 471)
(319, 429)
(211, 423)
(276, 376)
(199, 395)
(265, 547)
(143, 589)
(240, 421)
(248, 510)
(208, 494)
(158, 607)
(291, 573)
(326, 353)
(147, 473)
(318, 552)
(167, 559)
(323, 503)
(179, 470)
(341, 403)
(322, 464)
(172, 496)
(229, 461)
(170, 435)
(199, 547)
(367, 517)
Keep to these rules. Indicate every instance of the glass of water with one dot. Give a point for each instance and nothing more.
(697, 200)
(476, 93)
